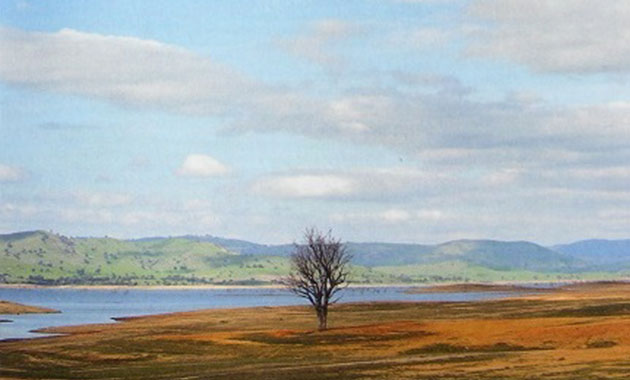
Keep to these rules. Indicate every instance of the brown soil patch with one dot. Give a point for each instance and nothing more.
(7, 307)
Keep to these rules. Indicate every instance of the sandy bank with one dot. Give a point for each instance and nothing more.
(7, 307)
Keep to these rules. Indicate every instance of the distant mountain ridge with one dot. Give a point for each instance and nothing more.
(600, 252)
(490, 253)
(246, 247)
(47, 258)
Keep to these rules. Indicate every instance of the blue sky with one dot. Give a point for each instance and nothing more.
(403, 121)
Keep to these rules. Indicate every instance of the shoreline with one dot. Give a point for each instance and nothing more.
(184, 287)
(16, 308)
(582, 332)
(277, 286)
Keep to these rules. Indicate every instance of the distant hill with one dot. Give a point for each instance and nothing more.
(367, 254)
(388, 254)
(40, 257)
(498, 255)
(46, 258)
(245, 247)
(598, 252)
(501, 255)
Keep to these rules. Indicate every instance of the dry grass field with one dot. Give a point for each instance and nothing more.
(578, 332)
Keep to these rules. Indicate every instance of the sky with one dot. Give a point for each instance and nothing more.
(384, 120)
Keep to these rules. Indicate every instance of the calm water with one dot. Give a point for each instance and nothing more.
(81, 306)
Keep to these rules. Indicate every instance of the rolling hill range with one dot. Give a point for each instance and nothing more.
(605, 254)
(489, 253)
(39, 257)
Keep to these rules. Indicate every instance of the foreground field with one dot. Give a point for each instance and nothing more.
(580, 332)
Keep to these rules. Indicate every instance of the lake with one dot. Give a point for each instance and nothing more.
(81, 306)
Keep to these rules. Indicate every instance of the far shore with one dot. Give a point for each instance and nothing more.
(183, 287)
(476, 287)
(419, 287)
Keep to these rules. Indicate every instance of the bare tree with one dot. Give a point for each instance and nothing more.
(319, 270)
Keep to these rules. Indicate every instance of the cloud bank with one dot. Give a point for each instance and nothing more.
(577, 36)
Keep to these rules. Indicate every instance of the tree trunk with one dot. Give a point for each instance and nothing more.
(322, 316)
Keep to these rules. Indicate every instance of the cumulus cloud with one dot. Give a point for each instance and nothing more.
(145, 73)
(125, 70)
(450, 127)
(578, 36)
(306, 186)
(11, 173)
(201, 165)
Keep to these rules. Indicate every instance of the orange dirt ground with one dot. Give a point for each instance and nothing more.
(577, 332)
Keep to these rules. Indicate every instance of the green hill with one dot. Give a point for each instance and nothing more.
(501, 255)
(46, 258)
(39, 257)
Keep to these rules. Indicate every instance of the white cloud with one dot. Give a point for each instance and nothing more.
(201, 165)
(375, 184)
(306, 186)
(427, 215)
(11, 173)
(125, 70)
(102, 199)
(394, 216)
(142, 72)
(390, 216)
(450, 128)
(577, 36)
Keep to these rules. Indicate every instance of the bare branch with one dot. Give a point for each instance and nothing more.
(318, 271)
